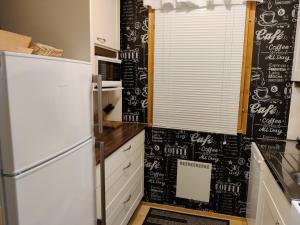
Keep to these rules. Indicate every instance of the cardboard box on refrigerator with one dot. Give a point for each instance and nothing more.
(14, 42)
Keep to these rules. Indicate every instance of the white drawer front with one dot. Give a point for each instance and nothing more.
(123, 206)
(113, 192)
(270, 213)
(122, 155)
(120, 177)
(281, 202)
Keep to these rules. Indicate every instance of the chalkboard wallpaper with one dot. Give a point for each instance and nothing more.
(134, 56)
(269, 103)
(229, 156)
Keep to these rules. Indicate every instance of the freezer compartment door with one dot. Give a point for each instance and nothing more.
(45, 108)
(62, 191)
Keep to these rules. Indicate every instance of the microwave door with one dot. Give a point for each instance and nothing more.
(110, 69)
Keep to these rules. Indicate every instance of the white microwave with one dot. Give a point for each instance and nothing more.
(110, 69)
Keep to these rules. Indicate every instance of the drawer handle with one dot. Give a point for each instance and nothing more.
(101, 39)
(126, 167)
(127, 149)
(127, 199)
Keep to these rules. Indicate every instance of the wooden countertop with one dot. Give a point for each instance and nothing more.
(114, 138)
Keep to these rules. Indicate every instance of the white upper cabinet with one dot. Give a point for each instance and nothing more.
(105, 21)
(296, 62)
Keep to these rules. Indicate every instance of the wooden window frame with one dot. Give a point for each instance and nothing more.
(246, 67)
(151, 30)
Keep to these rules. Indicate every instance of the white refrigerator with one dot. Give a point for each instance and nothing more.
(47, 157)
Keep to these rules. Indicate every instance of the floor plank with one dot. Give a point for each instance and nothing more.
(142, 210)
(0, 216)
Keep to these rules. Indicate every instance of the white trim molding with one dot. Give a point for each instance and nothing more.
(188, 4)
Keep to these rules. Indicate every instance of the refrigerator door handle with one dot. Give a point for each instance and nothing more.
(102, 181)
(98, 79)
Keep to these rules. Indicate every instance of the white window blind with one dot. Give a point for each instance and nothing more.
(197, 68)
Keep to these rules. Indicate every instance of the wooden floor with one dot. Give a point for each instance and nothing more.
(142, 210)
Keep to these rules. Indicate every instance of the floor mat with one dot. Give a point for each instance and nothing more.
(163, 217)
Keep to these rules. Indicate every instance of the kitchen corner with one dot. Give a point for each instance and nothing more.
(143, 112)
(274, 188)
(122, 165)
(119, 146)
(283, 160)
(114, 138)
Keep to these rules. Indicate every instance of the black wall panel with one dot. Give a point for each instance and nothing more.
(269, 100)
(134, 56)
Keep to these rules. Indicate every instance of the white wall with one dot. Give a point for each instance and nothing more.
(63, 24)
(294, 118)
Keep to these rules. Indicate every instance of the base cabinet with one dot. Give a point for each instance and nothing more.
(254, 190)
(266, 204)
(124, 181)
(121, 209)
(269, 211)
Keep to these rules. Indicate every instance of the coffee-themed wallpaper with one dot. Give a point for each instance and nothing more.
(134, 56)
(228, 154)
(269, 102)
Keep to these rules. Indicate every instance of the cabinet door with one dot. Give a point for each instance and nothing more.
(255, 183)
(270, 213)
(105, 16)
